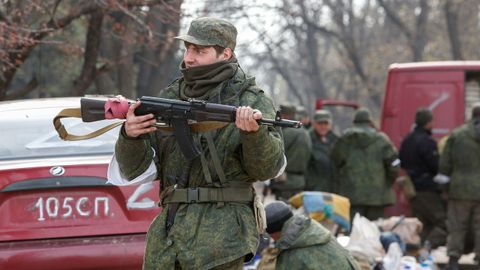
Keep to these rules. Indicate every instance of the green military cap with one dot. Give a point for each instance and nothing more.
(362, 115)
(288, 109)
(209, 31)
(301, 111)
(423, 116)
(322, 116)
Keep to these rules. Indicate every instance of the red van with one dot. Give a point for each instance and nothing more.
(56, 209)
(448, 88)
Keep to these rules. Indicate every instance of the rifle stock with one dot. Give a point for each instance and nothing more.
(92, 109)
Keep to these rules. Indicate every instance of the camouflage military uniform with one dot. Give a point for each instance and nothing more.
(214, 233)
(320, 173)
(305, 244)
(367, 164)
(460, 160)
(297, 150)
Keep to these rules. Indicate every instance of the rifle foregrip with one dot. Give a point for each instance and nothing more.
(92, 109)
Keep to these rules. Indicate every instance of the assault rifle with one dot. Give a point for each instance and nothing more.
(179, 116)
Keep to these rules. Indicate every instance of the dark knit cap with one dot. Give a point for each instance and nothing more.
(476, 110)
(362, 115)
(423, 116)
(277, 214)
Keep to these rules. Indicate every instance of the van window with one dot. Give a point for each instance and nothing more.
(472, 91)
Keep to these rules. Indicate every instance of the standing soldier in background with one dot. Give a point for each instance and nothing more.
(366, 165)
(208, 219)
(320, 172)
(460, 166)
(419, 157)
(297, 150)
(302, 116)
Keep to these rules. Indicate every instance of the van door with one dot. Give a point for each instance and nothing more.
(440, 91)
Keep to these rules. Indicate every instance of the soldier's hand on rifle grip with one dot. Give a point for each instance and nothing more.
(138, 125)
(246, 119)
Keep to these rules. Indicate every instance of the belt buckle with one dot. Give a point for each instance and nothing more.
(192, 195)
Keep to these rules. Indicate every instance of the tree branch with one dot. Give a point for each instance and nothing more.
(15, 94)
(395, 19)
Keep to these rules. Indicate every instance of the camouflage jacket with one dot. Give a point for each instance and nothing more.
(460, 159)
(320, 173)
(297, 151)
(366, 166)
(305, 244)
(205, 235)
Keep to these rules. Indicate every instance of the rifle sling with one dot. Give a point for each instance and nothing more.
(76, 113)
(215, 158)
(182, 182)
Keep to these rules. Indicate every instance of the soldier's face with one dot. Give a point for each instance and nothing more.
(196, 55)
(322, 128)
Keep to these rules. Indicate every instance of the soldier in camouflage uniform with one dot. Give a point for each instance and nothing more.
(460, 166)
(366, 166)
(303, 243)
(302, 116)
(320, 173)
(297, 150)
(208, 219)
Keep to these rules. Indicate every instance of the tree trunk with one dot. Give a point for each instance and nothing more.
(157, 59)
(89, 68)
(451, 17)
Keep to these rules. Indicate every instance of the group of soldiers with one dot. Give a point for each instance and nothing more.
(362, 165)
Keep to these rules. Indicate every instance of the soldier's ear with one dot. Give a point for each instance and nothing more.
(227, 54)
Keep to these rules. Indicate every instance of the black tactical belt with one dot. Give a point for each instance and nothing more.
(205, 195)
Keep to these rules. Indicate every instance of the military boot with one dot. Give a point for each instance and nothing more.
(452, 264)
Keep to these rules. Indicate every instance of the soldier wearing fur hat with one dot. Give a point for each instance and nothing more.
(208, 219)
(419, 157)
(366, 165)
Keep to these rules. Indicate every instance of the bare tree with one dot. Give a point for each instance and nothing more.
(26, 24)
(417, 34)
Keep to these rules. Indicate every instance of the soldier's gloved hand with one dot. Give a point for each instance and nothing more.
(441, 179)
(246, 119)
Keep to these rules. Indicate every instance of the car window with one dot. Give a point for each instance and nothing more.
(31, 134)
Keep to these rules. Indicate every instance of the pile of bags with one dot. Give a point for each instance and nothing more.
(324, 206)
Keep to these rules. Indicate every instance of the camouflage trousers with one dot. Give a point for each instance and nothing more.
(430, 209)
(234, 265)
(463, 215)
